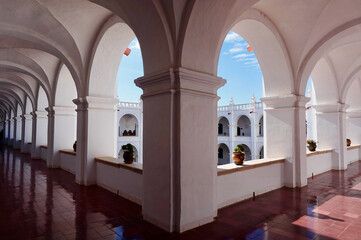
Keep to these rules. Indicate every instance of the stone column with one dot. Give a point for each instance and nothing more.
(331, 132)
(26, 132)
(96, 135)
(180, 148)
(285, 135)
(61, 132)
(40, 132)
(17, 134)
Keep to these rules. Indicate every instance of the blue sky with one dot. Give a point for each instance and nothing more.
(130, 68)
(238, 66)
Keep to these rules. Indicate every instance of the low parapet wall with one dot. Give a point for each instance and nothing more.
(236, 183)
(68, 160)
(319, 162)
(44, 152)
(123, 179)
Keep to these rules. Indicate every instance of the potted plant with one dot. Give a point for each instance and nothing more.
(128, 154)
(311, 145)
(238, 155)
(74, 146)
(348, 141)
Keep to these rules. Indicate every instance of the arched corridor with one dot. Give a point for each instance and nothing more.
(58, 84)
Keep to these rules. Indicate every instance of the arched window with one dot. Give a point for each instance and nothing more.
(260, 127)
(220, 129)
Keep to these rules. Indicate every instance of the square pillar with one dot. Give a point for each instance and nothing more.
(96, 135)
(12, 131)
(39, 132)
(331, 132)
(285, 135)
(6, 131)
(179, 148)
(27, 129)
(353, 127)
(61, 132)
(17, 133)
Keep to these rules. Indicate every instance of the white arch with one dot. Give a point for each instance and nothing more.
(340, 35)
(42, 101)
(107, 53)
(65, 90)
(323, 75)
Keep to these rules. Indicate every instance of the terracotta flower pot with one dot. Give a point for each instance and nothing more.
(128, 157)
(311, 148)
(239, 158)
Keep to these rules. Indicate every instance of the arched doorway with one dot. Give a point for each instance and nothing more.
(128, 125)
(223, 154)
(244, 126)
(223, 127)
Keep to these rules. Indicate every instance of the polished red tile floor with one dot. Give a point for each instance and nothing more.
(41, 203)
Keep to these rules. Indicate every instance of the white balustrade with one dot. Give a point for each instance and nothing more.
(129, 105)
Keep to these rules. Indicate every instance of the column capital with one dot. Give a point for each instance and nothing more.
(284, 101)
(354, 114)
(99, 103)
(330, 108)
(50, 111)
(26, 116)
(39, 114)
(63, 111)
(18, 118)
(180, 79)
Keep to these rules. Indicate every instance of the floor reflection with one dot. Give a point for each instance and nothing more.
(339, 218)
(41, 203)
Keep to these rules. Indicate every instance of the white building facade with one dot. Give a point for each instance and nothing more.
(130, 128)
(240, 124)
(237, 124)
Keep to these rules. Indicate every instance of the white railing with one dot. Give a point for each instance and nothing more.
(223, 108)
(246, 106)
(130, 105)
(259, 105)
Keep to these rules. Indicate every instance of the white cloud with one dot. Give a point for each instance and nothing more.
(134, 44)
(241, 56)
(238, 50)
(232, 37)
(251, 61)
(235, 50)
